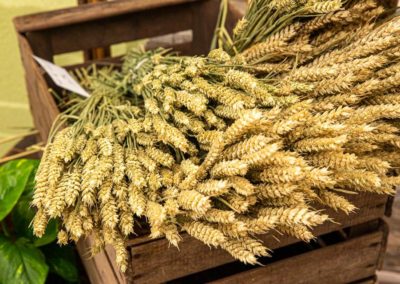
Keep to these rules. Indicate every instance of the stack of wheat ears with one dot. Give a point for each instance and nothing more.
(299, 106)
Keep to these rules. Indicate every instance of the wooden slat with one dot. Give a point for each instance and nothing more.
(41, 45)
(237, 9)
(88, 12)
(112, 22)
(153, 259)
(342, 263)
(370, 207)
(43, 107)
(204, 14)
(110, 252)
(369, 280)
(388, 277)
(108, 31)
(181, 42)
(98, 267)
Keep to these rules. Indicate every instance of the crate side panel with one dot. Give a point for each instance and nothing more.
(341, 263)
(153, 260)
(98, 267)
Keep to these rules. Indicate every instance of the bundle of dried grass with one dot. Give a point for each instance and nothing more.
(203, 145)
(284, 37)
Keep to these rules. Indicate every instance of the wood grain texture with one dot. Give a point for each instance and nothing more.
(153, 260)
(43, 107)
(204, 15)
(370, 207)
(108, 31)
(392, 261)
(110, 253)
(98, 267)
(237, 9)
(88, 12)
(124, 28)
(99, 25)
(341, 263)
(103, 24)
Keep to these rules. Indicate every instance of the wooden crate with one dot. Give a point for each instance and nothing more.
(339, 257)
(154, 261)
(103, 24)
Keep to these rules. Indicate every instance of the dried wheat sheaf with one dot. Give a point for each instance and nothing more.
(300, 110)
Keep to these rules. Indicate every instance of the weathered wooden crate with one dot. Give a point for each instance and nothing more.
(344, 256)
(152, 261)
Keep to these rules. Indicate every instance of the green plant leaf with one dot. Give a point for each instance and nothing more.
(21, 262)
(30, 185)
(62, 261)
(22, 216)
(13, 179)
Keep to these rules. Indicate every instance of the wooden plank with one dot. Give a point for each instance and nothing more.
(342, 263)
(204, 14)
(110, 252)
(88, 263)
(236, 11)
(98, 267)
(370, 207)
(41, 46)
(108, 31)
(88, 12)
(43, 107)
(95, 53)
(94, 11)
(181, 42)
(154, 260)
(369, 280)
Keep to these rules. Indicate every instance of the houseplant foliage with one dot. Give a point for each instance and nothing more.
(299, 107)
(25, 258)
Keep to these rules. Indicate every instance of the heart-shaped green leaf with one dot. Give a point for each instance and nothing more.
(14, 177)
(62, 261)
(22, 216)
(21, 262)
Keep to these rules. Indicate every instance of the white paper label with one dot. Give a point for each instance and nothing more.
(61, 77)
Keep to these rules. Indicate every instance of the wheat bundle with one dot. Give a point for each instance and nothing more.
(211, 146)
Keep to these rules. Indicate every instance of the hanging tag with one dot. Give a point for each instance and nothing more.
(61, 77)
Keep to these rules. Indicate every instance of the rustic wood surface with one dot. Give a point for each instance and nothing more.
(88, 12)
(325, 265)
(155, 260)
(112, 23)
(99, 52)
(43, 107)
(204, 15)
(392, 261)
(121, 277)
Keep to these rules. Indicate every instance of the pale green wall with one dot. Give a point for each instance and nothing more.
(15, 116)
(14, 109)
